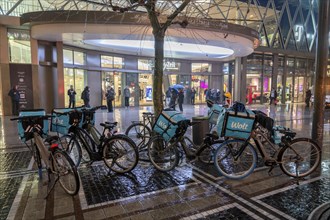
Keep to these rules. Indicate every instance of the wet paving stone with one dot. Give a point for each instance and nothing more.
(229, 214)
(299, 202)
(8, 191)
(14, 161)
(99, 186)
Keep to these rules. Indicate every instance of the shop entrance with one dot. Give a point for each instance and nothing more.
(145, 84)
(112, 79)
(299, 85)
(288, 89)
(77, 78)
(200, 83)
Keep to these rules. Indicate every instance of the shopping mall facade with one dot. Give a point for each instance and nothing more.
(250, 47)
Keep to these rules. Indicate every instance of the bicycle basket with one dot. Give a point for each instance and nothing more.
(264, 120)
(214, 113)
(236, 124)
(90, 115)
(62, 123)
(169, 124)
(22, 125)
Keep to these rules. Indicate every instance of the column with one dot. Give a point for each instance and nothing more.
(243, 79)
(4, 72)
(285, 74)
(238, 78)
(275, 71)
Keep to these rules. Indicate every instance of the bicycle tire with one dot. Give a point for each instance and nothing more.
(135, 132)
(120, 154)
(206, 152)
(300, 158)
(164, 156)
(231, 167)
(72, 147)
(67, 172)
(85, 141)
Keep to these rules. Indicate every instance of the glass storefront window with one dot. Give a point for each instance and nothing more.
(106, 61)
(279, 86)
(68, 56)
(145, 64)
(118, 62)
(19, 46)
(201, 67)
(112, 62)
(253, 85)
(200, 83)
(79, 58)
(145, 85)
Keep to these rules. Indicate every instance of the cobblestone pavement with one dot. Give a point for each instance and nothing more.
(191, 191)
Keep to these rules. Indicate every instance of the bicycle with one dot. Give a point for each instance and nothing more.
(297, 157)
(165, 153)
(141, 132)
(57, 161)
(117, 151)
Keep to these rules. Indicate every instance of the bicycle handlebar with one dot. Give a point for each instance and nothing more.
(84, 109)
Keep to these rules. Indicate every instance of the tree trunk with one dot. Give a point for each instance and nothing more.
(157, 93)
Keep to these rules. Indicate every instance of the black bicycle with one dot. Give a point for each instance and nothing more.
(118, 152)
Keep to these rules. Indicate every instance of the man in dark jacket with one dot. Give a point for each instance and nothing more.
(180, 99)
(14, 95)
(85, 96)
(110, 95)
(72, 97)
(127, 94)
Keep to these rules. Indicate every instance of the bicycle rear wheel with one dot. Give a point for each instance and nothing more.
(235, 159)
(300, 158)
(72, 147)
(141, 135)
(206, 152)
(164, 156)
(120, 154)
(67, 172)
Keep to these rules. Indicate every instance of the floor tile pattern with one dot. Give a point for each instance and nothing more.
(14, 161)
(299, 202)
(8, 191)
(229, 214)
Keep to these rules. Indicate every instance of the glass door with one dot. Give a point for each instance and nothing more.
(200, 84)
(288, 89)
(112, 79)
(299, 89)
(77, 78)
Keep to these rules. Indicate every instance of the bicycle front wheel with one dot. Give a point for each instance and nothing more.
(235, 159)
(66, 171)
(141, 135)
(120, 154)
(164, 156)
(300, 158)
(72, 147)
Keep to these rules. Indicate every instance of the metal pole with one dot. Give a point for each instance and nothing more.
(321, 70)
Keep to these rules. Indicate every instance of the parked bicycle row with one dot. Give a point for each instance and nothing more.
(237, 137)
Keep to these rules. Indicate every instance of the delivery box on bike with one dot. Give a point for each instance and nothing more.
(62, 122)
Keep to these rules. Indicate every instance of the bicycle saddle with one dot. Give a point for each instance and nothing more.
(288, 133)
(109, 125)
(51, 139)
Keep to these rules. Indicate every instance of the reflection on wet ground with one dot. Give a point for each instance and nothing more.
(191, 191)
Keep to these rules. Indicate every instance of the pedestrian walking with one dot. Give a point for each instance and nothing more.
(72, 97)
(273, 96)
(174, 96)
(110, 95)
(85, 96)
(192, 96)
(127, 94)
(14, 95)
(168, 96)
(308, 97)
(180, 99)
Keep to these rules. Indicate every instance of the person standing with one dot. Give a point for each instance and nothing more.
(85, 96)
(127, 94)
(308, 97)
(192, 96)
(180, 99)
(174, 96)
(273, 96)
(168, 96)
(72, 97)
(14, 95)
(110, 95)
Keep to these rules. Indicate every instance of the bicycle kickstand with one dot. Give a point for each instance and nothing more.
(270, 171)
(52, 186)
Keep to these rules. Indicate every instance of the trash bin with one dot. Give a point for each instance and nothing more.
(200, 129)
